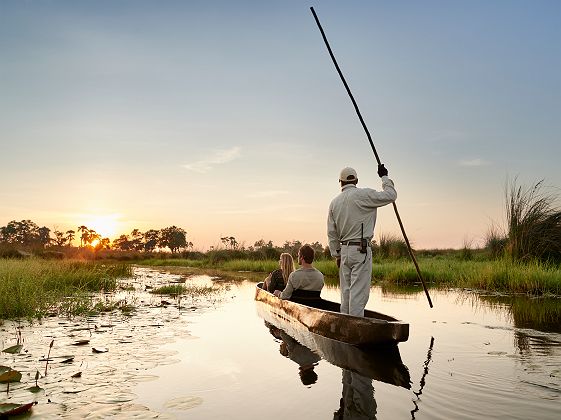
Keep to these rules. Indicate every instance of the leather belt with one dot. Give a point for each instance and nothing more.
(350, 243)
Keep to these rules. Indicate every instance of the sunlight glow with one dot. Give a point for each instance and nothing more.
(105, 225)
(94, 243)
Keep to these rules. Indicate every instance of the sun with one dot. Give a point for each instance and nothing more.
(94, 243)
(105, 225)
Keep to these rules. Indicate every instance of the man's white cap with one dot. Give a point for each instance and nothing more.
(348, 174)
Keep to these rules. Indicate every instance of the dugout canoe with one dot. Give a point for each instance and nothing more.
(325, 320)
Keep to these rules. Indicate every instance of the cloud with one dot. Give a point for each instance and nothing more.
(474, 162)
(218, 157)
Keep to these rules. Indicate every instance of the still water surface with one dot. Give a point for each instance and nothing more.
(471, 356)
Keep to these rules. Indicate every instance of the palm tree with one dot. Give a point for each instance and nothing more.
(85, 235)
(70, 234)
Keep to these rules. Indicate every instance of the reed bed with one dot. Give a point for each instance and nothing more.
(34, 287)
(502, 275)
(499, 275)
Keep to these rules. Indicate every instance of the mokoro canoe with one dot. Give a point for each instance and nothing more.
(325, 319)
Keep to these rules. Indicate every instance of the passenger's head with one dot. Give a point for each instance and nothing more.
(348, 176)
(286, 264)
(307, 374)
(307, 253)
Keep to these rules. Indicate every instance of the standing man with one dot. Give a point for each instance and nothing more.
(350, 228)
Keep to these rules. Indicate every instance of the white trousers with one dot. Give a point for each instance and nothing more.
(355, 275)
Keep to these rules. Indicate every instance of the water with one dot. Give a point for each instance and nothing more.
(469, 357)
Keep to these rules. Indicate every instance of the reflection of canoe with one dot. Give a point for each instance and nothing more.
(325, 319)
(382, 363)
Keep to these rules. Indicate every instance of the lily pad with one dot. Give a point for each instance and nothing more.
(10, 376)
(34, 389)
(99, 350)
(4, 369)
(13, 349)
(80, 342)
(8, 409)
(77, 375)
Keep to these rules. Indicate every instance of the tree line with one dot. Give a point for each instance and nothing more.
(27, 233)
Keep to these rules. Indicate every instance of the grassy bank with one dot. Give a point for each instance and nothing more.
(34, 288)
(493, 275)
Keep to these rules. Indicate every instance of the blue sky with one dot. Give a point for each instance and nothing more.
(228, 118)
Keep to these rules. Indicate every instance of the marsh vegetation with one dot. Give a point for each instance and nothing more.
(34, 288)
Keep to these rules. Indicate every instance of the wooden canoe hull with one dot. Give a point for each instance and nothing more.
(372, 329)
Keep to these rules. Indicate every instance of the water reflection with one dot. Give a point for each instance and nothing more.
(357, 401)
(382, 363)
(423, 379)
(301, 355)
(541, 313)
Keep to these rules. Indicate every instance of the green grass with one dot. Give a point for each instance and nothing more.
(33, 288)
(172, 290)
(440, 271)
(498, 275)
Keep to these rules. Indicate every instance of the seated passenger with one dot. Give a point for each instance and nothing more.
(277, 279)
(304, 284)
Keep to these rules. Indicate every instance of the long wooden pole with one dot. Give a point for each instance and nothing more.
(373, 149)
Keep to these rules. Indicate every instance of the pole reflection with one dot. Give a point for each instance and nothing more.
(423, 379)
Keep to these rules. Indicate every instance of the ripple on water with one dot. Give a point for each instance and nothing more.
(183, 403)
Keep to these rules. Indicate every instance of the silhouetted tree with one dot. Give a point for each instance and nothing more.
(173, 238)
(122, 243)
(230, 241)
(137, 240)
(151, 238)
(24, 232)
(59, 239)
(44, 236)
(292, 247)
(84, 236)
(70, 234)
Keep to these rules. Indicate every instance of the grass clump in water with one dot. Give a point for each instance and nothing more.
(171, 290)
(33, 288)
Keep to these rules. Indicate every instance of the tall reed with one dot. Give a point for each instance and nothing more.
(534, 224)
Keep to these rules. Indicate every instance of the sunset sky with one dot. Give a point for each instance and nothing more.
(227, 118)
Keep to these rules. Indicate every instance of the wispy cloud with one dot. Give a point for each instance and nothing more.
(267, 194)
(217, 157)
(474, 162)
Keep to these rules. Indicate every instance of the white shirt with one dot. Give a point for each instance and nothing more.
(305, 279)
(353, 207)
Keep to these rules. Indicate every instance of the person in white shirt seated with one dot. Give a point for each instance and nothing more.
(305, 284)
